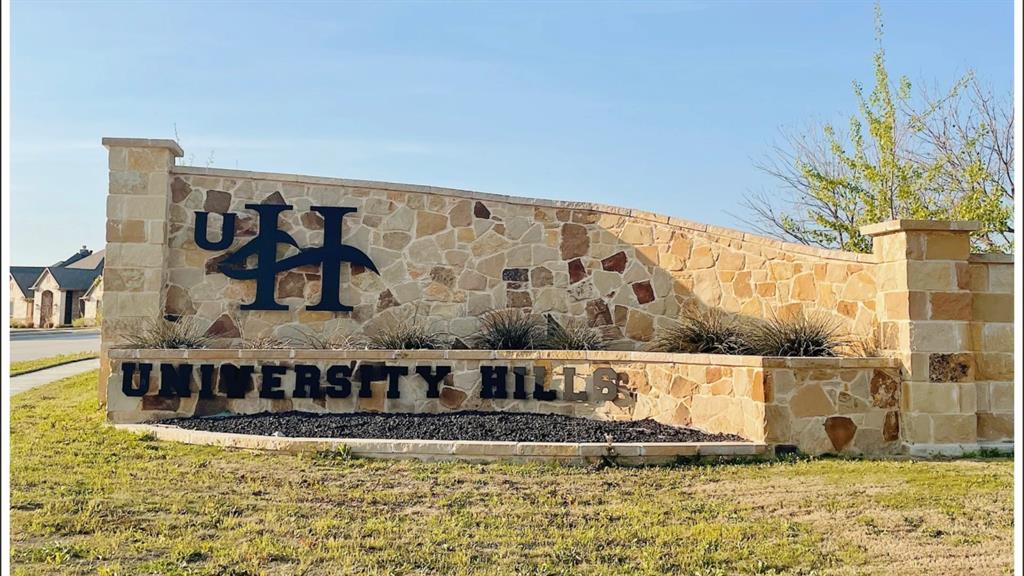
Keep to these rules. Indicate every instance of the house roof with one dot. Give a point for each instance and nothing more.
(90, 262)
(69, 278)
(97, 283)
(74, 258)
(76, 273)
(25, 277)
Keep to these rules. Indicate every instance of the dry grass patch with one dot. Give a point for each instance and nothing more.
(87, 499)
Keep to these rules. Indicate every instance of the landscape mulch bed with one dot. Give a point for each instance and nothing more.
(488, 426)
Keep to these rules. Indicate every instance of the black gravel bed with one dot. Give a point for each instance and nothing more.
(488, 426)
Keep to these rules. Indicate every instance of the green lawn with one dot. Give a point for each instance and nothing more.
(87, 499)
(40, 363)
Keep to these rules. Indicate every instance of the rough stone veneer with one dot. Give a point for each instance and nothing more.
(446, 256)
(666, 387)
(948, 316)
(841, 405)
(991, 282)
(820, 404)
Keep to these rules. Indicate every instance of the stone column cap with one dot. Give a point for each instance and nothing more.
(144, 143)
(891, 226)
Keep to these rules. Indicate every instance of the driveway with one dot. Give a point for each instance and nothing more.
(32, 344)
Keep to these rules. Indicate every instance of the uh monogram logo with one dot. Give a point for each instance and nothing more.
(264, 247)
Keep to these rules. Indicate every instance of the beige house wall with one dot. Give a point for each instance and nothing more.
(93, 300)
(446, 255)
(44, 284)
(20, 307)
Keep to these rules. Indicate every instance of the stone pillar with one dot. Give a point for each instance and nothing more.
(924, 304)
(134, 268)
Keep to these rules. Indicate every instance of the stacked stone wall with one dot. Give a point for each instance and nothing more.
(849, 405)
(991, 282)
(942, 317)
(446, 256)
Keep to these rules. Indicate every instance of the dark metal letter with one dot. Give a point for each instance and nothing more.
(393, 373)
(128, 375)
(605, 384)
(175, 381)
(519, 376)
(270, 381)
(227, 235)
(492, 381)
(433, 379)
(540, 374)
(568, 392)
(307, 382)
(206, 381)
(236, 380)
(338, 383)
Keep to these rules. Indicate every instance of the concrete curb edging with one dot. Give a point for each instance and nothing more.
(467, 450)
(48, 366)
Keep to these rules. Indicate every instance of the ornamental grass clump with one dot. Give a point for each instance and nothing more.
(411, 335)
(334, 341)
(814, 335)
(267, 343)
(574, 334)
(182, 333)
(704, 331)
(509, 329)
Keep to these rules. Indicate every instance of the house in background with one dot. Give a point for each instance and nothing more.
(59, 294)
(93, 300)
(22, 279)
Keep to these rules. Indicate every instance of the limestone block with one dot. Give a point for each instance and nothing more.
(916, 427)
(1000, 278)
(993, 307)
(811, 400)
(933, 337)
(997, 337)
(930, 397)
(947, 246)
(859, 287)
(995, 426)
(932, 276)
(954, 428)
(149, 159)
(1000, 396)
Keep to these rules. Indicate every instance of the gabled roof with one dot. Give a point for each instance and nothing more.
(25, 277)
(69, 278)
(97, 283)
(74, 258)
(90, 262)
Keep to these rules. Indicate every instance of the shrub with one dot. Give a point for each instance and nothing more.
(334, 341)
(509, 329)
(573, 335)
(704, 331)
(798, 335)
(410, 335)
(83, 322)
(20, 323)
(163, 333)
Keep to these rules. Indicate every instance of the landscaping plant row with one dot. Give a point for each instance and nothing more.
(701, 331)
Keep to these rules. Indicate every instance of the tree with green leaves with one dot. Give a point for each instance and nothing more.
(906, 155)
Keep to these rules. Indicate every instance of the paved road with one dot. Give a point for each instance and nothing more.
(33, 379)
(32, 344)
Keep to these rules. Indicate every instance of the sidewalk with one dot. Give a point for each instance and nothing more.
(34, 379)
(16, 332)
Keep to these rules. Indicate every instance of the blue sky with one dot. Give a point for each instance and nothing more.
(660, 106)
